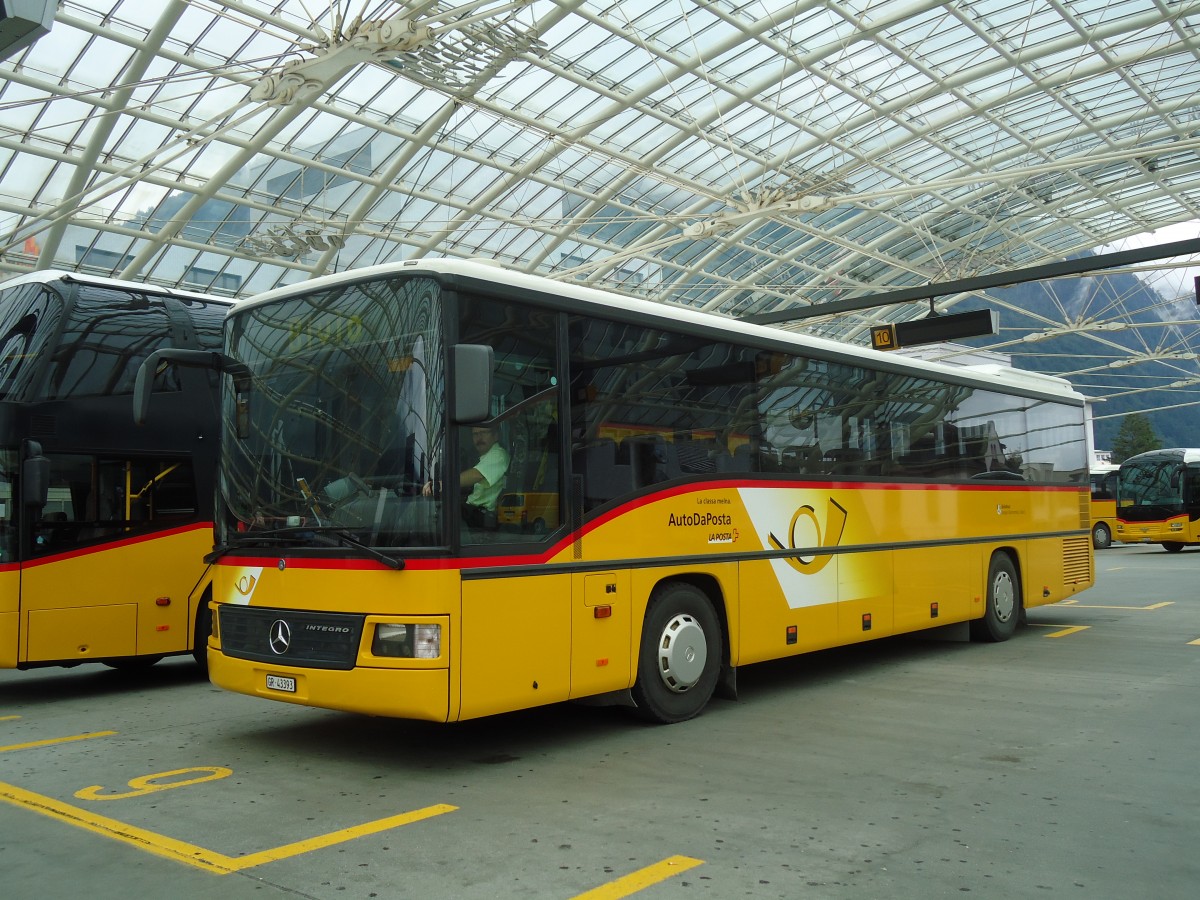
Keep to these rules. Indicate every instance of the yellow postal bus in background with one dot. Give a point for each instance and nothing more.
(1158, 498)
(103, 527)
(723, 494)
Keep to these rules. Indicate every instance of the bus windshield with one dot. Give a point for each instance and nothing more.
(343, 426)
(1154, 483)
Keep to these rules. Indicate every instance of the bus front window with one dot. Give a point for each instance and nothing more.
(1153, 483)
(346, 415)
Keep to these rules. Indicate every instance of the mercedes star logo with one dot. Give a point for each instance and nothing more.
(281, 637)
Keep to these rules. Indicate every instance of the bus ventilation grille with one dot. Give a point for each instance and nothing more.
(290, 637)
(1077, 560)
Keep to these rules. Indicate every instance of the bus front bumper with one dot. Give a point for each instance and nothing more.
(400, 693)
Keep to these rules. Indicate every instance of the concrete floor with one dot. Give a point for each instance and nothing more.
(1061, 763)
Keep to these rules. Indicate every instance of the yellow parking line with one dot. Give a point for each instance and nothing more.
(1071, 629)
(642, 878)
(194, 855)
(1195, 643)
(1075, 604)
(61, 740)
(8, 718)
(1063, 631)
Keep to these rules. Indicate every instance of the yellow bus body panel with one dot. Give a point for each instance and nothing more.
(898, 558)
(134, 597)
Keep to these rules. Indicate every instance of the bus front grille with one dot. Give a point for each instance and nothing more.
(290, 637)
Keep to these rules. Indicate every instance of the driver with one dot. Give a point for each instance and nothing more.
(485, 479)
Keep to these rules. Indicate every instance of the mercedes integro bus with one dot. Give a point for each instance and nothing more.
(724, 493)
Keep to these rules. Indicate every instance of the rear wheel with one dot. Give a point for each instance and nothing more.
(1101, 536)
(1003, 608)
(680, 655)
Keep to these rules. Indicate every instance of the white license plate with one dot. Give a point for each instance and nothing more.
(281, 683)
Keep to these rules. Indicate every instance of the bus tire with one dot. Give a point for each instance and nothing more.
(202, 630)
(680, 658)
(1101, 536)
(1003, 609)
(1172, 546)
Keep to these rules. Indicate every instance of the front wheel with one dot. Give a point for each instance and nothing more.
(1172, 546)
(1003, 610)
(1101, 536)
(680, 657)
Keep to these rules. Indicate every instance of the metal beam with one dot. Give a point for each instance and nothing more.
(1043, 272)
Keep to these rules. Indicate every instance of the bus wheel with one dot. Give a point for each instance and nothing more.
(1172, 546)
(680, 656)
(202, 631)
(1101, 536)
(999, 620)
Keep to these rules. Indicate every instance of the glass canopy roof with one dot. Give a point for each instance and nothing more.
(739, 157)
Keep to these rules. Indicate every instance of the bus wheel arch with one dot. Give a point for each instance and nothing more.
(1003, 606)
(682, 650)
(202, 629)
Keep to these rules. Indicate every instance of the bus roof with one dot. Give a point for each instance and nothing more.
(47, 276)
(685, 318)
(1167, 454)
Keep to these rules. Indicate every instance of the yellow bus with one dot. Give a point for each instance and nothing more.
(1158, 498)
(726, 494)
(103, 527)
(1104, 505)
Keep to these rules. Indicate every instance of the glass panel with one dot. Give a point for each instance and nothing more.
(107, 335)
(345, 417)
(510, 473)
(95, 499)
(29, 319)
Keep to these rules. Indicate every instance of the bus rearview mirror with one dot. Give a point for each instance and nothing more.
(196, 359)
(473, 364)
(35, 476)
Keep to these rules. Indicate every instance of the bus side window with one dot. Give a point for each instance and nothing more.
(92, 500)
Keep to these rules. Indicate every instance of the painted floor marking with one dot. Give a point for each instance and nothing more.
(8, 718)
(192, 854)
(1195, 643)
(62, 740)
(641, 879)
(1063, 631)
(1077, 605)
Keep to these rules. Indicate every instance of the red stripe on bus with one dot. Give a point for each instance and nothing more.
(477, 562)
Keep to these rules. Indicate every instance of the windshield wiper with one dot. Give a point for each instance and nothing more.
(347, 540)
(250, 539)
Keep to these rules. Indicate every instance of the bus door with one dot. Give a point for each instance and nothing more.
(10, 568)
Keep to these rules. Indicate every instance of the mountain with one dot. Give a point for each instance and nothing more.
(1105, 299)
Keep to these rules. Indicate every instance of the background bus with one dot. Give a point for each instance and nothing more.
(1158, 498)
(725, 494)
(103, 527)
(1104, 504)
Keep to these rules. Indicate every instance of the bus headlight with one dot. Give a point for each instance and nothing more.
(1177, 526)
(407, 641)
